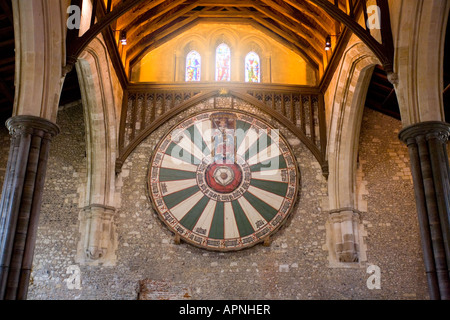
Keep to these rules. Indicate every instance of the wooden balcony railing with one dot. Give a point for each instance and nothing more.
(147, 106)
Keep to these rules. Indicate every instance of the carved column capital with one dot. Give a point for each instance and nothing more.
(24, 124)
(425, 130)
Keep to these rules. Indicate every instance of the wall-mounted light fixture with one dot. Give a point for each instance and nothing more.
(123, 37)
(328, 41)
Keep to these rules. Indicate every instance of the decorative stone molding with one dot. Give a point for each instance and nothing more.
(393, 78)
(427, 130)
(419, 42)
(98, 235)
(40, 37)
(343, 236)
(99, 95)
(21, 125)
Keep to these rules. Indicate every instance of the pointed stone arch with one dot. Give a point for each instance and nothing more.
(419, 58)
(344, 231)
(98, 239)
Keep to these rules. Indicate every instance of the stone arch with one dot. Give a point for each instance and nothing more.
(419, 43)
(344, 232)
(40, 35)
(348, 104)
(97, 217)
(223, 35)
(193, 42)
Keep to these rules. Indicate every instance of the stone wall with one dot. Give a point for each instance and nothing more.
(295, 266)
(58, 232)
(393, 241)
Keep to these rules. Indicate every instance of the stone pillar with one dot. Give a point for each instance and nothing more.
(426, 142)
(21, 201)
(344, 229)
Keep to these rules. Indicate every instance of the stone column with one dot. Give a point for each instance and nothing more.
(426, 142)
(21, 201)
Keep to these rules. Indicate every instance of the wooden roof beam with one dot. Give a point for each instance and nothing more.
(7, 11)
(321, 19)
(383, 52)
(221, 3)
(139, 9)
(152, 14)
(316, 56)
(5, 43)
(153, 26)
(75, 48)
(222, 14)
(260, 18)
(287, 41)
(8, 67)
(149, 39)
(7, 61)
(155, 44)
(297, 29)
(298, 17)
(6, 92)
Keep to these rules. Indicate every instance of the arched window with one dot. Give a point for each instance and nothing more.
(193, 66)
(252, 68)
(223, 63)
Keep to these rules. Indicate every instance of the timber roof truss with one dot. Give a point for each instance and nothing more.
(301, 25)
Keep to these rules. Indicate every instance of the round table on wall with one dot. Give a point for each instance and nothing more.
(223, 180)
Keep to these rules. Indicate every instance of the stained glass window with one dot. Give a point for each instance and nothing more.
(252, 68)
(193, 66)
(223, 63)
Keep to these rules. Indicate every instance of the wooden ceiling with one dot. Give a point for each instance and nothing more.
(381, 95)
(300, 25)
